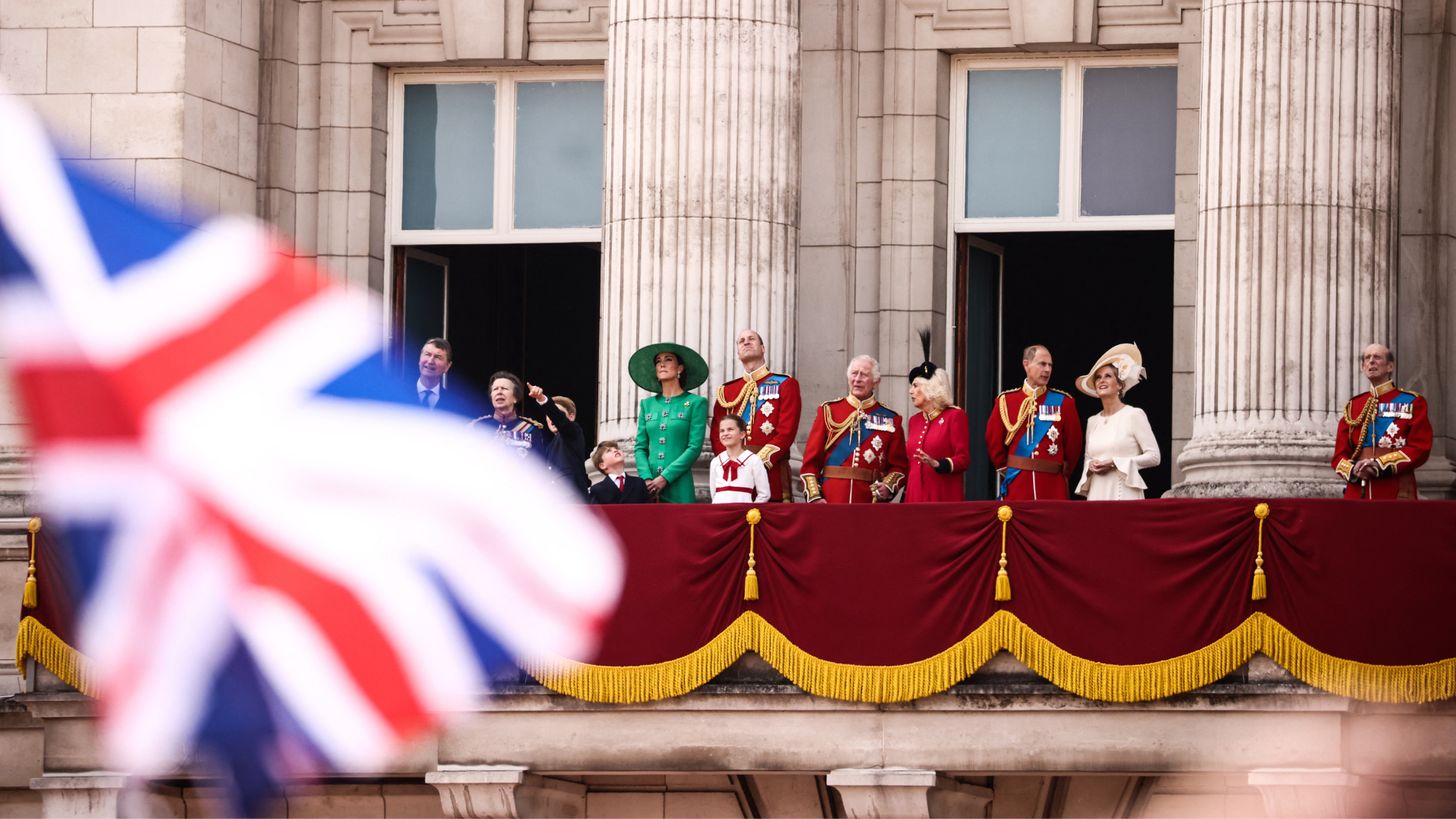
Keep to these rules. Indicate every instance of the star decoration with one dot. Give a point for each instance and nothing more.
(876, 443)
(766, 427)
(869, 457)
(766, 409)
(1053, 433)
(1052, 450)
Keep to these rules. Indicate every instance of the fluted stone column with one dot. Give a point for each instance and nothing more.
(1301, 104)
(700, 221)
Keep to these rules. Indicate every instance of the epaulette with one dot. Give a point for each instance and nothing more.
(1063, 392)
(1008, 392)
(1410, 392)
(534, 423)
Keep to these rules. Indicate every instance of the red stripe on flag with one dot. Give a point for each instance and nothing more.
(360, 645)
(155, 372)
(72, 401)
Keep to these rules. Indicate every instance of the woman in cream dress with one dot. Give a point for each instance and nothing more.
(1119, 441)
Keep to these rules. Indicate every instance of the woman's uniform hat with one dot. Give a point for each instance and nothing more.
(644, 372)
(928, 368)
(1127, 359)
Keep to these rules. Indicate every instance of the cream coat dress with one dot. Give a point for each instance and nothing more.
(1127, 439)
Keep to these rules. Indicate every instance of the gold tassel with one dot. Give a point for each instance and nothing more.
(750, 580)
(30, 597)
(1261, 585)
(1003, 580)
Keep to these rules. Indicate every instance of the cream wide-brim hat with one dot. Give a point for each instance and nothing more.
(1126, 358)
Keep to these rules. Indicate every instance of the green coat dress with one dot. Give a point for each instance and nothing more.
(669, 437)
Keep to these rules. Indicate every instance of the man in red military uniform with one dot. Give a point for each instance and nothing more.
(1384, 434)
(1034, 436)
(768, 403)
(856, 449)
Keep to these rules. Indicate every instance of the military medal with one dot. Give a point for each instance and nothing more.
(766, 427)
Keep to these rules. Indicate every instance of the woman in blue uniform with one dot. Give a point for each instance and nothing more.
(672, 421)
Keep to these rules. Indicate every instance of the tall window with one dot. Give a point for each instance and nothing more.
(486, 157)
(1064, 144)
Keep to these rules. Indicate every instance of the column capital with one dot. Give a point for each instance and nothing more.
(504, 791)
(1333, 792)
(91, 794)
(910, 792)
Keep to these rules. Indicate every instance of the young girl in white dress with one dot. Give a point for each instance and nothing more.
(737, 475)
(1119, 441)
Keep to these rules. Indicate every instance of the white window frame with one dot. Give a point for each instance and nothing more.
(1069, 182)
(503, 202)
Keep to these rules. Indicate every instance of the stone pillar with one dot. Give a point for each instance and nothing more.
(906, 792)
(1296, 273)
(504, 791)
(700, 217)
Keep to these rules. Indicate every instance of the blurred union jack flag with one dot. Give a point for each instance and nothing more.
(278, 564)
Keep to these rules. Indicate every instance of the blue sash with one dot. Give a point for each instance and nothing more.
(1397, 409)
(849, 441)
(751, 409)
(1024, 447)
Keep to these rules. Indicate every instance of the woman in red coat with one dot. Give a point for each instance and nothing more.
(938, 437)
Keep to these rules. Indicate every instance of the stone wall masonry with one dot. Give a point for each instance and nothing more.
(155, 96)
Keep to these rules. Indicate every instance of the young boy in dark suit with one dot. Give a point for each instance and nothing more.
(617, 486)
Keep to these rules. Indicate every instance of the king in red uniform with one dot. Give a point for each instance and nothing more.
(856, 449)
(1384, 434)
(1033, 436)
(768, 403)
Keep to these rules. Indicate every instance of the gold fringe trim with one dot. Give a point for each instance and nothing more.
(1358, 681)
(1003, 630)
(52, 653)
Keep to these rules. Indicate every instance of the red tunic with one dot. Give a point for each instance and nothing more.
(1390, 425)
(1011, 425)
(851, 445)
(773, 421)
(946, 434)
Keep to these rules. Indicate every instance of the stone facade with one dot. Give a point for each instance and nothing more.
(1315, 203)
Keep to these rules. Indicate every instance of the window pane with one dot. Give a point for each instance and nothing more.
(1128, 121)
(559, 154)
(1013, 138)
(449, 155)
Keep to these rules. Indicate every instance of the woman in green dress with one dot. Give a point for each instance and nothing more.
(672, 421)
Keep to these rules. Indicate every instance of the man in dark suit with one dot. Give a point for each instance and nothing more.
(617, 486)
(429, 391)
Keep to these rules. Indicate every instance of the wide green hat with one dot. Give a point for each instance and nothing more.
(644, 372)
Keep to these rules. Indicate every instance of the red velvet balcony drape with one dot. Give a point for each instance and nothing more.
(1112, 600)
(1115, 601)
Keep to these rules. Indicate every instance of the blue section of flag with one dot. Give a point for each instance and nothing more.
(84, 547)
(488, 652)
(12, 264)
(123, 234)
(239, 732)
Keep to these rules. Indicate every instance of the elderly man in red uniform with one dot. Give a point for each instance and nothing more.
(1033, 436)
(1383, 435)
(856, 449)
(768, 403)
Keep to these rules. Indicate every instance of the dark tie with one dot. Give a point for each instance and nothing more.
(621, 483)
(425, 399)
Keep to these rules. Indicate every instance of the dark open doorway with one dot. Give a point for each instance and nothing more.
(529, 309)
(1078, 294)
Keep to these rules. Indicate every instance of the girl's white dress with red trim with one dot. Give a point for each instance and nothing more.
(738, 480)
